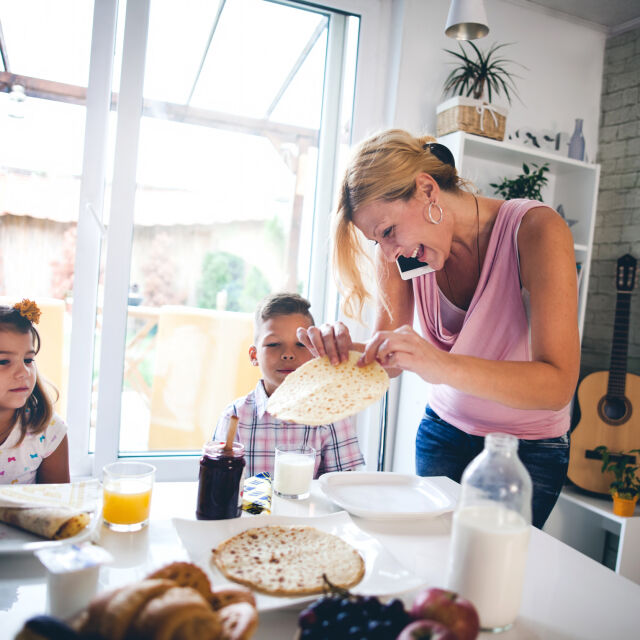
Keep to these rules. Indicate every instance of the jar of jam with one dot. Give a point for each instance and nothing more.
(220, 482)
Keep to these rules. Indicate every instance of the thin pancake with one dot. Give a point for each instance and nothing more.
(320, 393)
(288, 560)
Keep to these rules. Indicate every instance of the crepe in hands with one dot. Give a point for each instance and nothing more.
(285, 560)
(54, 523)
(318, 392)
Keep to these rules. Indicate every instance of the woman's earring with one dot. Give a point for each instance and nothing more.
(439, 220)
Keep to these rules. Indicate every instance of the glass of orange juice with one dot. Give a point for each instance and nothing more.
(127, 495)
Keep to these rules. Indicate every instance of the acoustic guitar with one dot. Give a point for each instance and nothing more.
(609, 401)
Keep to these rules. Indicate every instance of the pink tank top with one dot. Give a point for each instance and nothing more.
(496, 327)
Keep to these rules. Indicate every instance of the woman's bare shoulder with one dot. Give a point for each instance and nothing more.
(542, 226)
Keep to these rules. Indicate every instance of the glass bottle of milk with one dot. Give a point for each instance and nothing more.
(490, 535)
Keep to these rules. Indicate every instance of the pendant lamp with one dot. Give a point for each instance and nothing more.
(467, 20)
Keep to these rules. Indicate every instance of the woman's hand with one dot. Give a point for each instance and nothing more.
(332, 340)
(403, 349)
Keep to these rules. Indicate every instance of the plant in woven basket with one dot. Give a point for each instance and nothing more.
(528, 184)
(477, 73)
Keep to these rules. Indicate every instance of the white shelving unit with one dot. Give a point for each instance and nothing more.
(588, 524)
(572, 184)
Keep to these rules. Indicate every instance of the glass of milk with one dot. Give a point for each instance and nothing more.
(293, 471)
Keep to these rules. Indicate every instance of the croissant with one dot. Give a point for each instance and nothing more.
(126, 604)
(90, 621)
(173, 603)
(225, 596)
(239, 621)
(185, 574)
(180, 612)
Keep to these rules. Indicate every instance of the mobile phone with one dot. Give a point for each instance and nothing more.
(412, 267)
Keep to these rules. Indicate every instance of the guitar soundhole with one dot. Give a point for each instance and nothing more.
(614, 411)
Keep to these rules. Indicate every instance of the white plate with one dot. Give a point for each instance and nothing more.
(14, 540)
(383, 575)
(386, 495)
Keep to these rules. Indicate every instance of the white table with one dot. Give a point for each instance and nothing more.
(566, 594)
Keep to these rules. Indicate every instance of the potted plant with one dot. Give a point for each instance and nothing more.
(477, 74)
(625, 488)
(528, 184)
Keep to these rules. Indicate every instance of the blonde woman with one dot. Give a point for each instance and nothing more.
(498, 313)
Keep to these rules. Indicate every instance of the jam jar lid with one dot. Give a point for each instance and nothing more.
(215, 449)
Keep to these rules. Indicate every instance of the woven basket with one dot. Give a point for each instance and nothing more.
(472, 116)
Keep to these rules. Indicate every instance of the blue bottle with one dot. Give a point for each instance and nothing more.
(576, 143)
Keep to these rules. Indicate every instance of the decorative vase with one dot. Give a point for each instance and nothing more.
(576, 143)
(624, 506)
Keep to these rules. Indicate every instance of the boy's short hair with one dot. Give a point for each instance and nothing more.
(281, 304)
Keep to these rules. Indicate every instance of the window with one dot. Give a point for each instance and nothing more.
(212, 140)
(44, 70)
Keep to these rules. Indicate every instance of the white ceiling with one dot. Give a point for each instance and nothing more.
(614, 15)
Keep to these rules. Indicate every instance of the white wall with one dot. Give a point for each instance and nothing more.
(562, 81)
(563, 59)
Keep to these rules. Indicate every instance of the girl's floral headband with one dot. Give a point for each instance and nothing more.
(28, 309)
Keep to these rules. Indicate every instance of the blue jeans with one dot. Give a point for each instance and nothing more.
(444, 450)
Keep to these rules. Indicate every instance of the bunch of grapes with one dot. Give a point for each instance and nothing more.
(348, 616)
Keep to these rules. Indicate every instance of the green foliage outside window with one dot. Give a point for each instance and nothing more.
(244, 284)
(274, 233)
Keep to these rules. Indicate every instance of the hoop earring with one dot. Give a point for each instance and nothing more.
(439, 220)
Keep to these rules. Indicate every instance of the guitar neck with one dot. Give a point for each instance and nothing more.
(619, 345)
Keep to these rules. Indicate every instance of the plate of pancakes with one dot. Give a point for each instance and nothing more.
(288, 560)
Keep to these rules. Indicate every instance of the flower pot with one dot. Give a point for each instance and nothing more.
(472, 116)
(624, 506)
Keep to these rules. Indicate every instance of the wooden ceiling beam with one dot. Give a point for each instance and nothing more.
(47, 89)
(74, 94)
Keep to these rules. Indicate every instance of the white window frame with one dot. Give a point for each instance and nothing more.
(374, 106)
(89, 235)
(371, 104)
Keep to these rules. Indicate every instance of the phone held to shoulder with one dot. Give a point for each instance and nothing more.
(412, 267)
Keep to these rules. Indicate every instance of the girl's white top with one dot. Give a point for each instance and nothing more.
(20, 464)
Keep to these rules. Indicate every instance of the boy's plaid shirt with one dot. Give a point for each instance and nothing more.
(336, 444)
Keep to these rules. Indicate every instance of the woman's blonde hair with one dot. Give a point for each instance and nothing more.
(383, 168)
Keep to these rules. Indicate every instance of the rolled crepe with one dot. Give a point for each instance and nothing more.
(54, 523)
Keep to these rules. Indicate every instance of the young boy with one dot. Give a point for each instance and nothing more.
(278, 352)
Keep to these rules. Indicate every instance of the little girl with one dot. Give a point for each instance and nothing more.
(33, 440)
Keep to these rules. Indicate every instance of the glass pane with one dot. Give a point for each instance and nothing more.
(253, 51)
(224, 206)
(40, 168)
(304, 88)
(48, 40)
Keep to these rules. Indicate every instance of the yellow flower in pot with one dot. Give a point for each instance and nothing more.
(625, 489)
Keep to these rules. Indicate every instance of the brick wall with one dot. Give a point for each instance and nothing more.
(617, 228)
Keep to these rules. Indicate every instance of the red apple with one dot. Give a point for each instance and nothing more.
(447, 607)
(426, 630)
